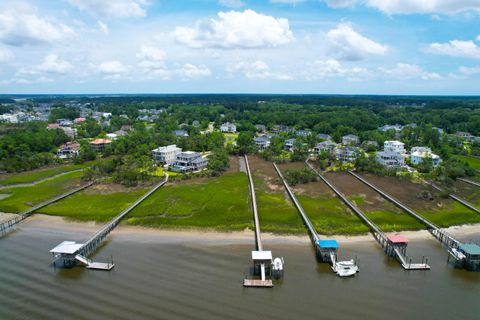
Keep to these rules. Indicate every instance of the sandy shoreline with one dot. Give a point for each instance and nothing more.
(59, 225)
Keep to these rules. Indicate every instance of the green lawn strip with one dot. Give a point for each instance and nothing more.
(453, 214)
(215, 203)
(88, 206)
(473, 162)
(22, 198)
(38, 174)
(330, 216)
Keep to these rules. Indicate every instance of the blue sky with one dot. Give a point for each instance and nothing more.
(240, 46)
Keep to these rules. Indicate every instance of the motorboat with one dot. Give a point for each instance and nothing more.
(277, 267)
(346, 268)
(457, 254)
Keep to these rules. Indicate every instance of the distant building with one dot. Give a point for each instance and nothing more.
(419, 154)
(394, 146)
(180, 133)
(387, 127)
(196, 123)
(260, 128)
(303, 133)
(112, 136)
(70, 132)
(166, 155)
(53, 126)
(68, 150)
(228, 127)
(465, 135)
(121, 133)
(289, 144)
(347, 154)
(79, 120)
(370, 144)
(262, 142)
(281, 128)
(326, 145)
(189, 161)
(324, 136)
(99, 145)
(350, 139)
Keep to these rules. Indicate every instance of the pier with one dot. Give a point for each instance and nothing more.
(71, 253)
(464, 255)
(394, 246)
(457, 198)
(326, 250)
(262, 259)
(5, 226)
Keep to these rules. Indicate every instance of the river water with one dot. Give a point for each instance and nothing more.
(172, 278)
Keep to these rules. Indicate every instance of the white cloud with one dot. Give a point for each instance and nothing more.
(333, 68)
(151, 60)
(340, 3)
(234, 29)
(455, 48)
(112, 8)
(103, 27)
(5, 55)
(51, 64)
(348, 44)
(255, 70)
(424, 6)
(231, 3)
(405, 71)
(112, 69)
(191, 71)
(151, 53)
(21, 25)
(478, 38)
(469, 71)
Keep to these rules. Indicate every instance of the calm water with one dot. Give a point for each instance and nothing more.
(170, 279)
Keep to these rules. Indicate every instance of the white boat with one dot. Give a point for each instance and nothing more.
(457, 254)
(277, 267)
(346, 268)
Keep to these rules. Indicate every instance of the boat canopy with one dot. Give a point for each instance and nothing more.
(328, 244)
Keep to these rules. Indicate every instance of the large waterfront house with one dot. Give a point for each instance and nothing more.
(326, 145)
(350, 139)
(189, 161)
(263, 142)
(68, 150)
(419, 154)
(347, 154)
(166, 155)
(99, 145)
(393, 154)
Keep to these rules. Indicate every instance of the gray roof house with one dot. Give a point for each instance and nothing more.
(180, 133)
(189, 161)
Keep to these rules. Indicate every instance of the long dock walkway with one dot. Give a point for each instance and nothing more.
(80, 252)
(457, 198)
(27, 213)
(390, 245)
(262, 259)
(445, 239)
(474, 183)
(33, 183)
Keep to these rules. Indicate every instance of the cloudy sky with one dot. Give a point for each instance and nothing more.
(240, 46)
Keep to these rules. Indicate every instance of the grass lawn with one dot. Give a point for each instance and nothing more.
(22, 198)
(454, 214)
(38, 174)
(213, 203)
(93, 205)
(473, 162)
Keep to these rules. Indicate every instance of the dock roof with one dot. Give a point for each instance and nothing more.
(397, 239)
(67, 247)
(261, 255)
(328, 244)
(470, 248)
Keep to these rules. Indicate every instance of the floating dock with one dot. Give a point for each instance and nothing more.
(393, 245)
(325, 249)
(465, 255)
(71, 253)
(262, 259)
(5, 226)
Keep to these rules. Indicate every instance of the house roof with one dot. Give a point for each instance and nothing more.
(101, 141)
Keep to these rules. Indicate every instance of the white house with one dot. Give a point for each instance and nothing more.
(419, 154)
(228, 127)
(324, 136)
(289, 144)
(393, 154)
(347, 154)
(394, 146)
(188, 161)
(326, 145)
(350, 139)
(166, 155)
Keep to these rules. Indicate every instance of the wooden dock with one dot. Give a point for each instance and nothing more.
(457, 198)
(384, 241)
(6, 225)
(445, 239)
(258, 283)
(80, 252)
